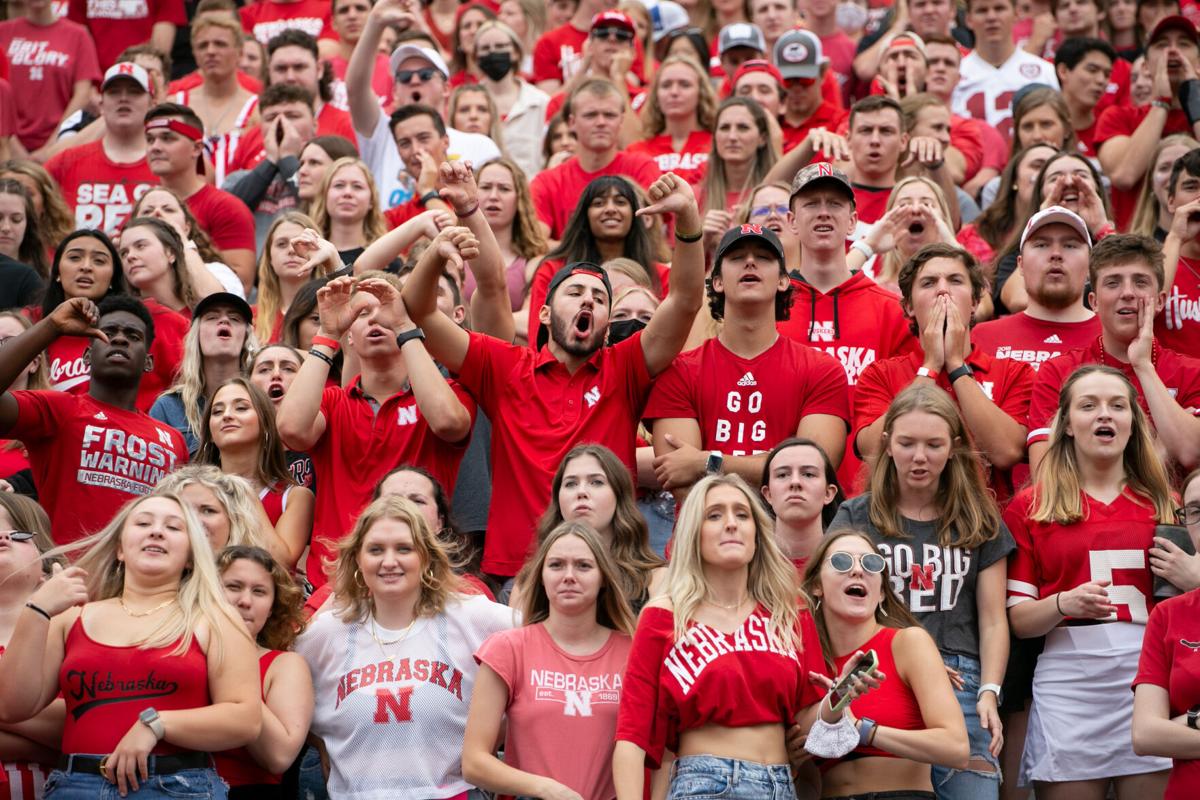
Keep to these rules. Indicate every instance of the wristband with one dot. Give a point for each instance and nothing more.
(994, 688)
(963, 371)
(926, 372)
(1058, 604)
(315, 353)
(38, 609)
(866, 731)
(1163, 104)
(406, 337)
(469, 212)
(864, 248)
(325, 341)
(432, 194)
(1107, 229)
(688, 238)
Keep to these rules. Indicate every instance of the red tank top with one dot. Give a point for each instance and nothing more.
(892, 705)
(238, 767)
(106, 687)
(274, 500)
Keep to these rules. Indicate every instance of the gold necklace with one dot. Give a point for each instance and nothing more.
(733, 607)
(156, 609)
(380, 642)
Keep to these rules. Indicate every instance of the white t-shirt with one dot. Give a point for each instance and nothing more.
(985, 92)
(381, 156)
(393, 716)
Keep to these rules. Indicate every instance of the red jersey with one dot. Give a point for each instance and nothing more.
(870, 202)
(709, 677)
(45, 63)
(746, 406)
(397, 433)
(238, 767)
(106, 687)
(828, 115)
(558, 54)
(1109, 544)
(194, 78)
(539, 411)
(1178, 372)
(1123, 120)
(687, 162)
(1178, 327)
(1171, 659)
(556, 191)
(1032, 340)
(266, 18)
(858, 323)
(118, 24)
(90, 458)
(99, 190)
(223, 217)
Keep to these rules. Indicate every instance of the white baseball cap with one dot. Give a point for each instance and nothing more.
(406, 51)
(1056, 215)
(129, 71)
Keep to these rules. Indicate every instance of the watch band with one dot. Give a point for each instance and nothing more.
(989, 687)
(432, 194)
(715, 459)
(406, 337)
(149, 717)
(962, 371)
(866, 731)
(1192, 715)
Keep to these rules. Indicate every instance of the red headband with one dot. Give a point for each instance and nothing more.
(178, 126)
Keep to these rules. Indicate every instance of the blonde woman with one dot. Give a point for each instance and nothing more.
(721, 658)
(740, 157)
(678, 118)
(282, 269)
(392, 659)
(917, 214)
(144, 600)
(473, 110)
(1151, 217)
(225, 505)
(346, 208)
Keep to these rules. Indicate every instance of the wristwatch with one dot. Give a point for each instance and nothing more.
(962, 371)
(151, 720)
(408, 336)
(432, 194)
(715, 459)
(1192, 715)
(866, 730)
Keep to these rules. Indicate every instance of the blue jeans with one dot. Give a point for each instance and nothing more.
(695, 777)
(968, 784)
(189, 784)
(312, 777)
(658, 509)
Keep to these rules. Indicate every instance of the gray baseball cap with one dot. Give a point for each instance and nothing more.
(798, 54)
(741, 34)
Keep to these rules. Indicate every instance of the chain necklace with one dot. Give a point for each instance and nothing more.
(154, 610)
(381, 642)
(733, 607)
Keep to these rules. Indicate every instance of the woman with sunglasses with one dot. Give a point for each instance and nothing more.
(28, 749)
(800, 485)
(910, 720)
(929, 512)
(1081, 578)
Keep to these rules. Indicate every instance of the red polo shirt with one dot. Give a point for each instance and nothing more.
(539, 411)
(365, 439)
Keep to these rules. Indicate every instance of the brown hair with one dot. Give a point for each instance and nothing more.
(1122, 248)
(286, 619)
(271, 469)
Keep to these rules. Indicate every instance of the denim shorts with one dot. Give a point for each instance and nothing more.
(900, 794)
(966, 784)
(702, 777)
(188, 784)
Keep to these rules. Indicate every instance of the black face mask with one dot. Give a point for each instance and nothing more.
(621, 329)
(496, 65)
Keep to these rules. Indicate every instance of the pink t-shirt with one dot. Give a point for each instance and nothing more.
(560, 706)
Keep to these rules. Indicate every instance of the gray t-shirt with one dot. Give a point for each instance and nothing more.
(936, 583)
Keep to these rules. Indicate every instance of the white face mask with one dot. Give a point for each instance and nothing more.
(851, 16)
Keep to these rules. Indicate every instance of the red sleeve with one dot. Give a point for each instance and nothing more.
(249, 151)
(1018, 388)
(640, 719)
(171, 11)
(1043, 400)
(872, 395)
(488, 360)
(77, 11)
(995, 148)
(544, 199)
(545, 60)
(828, 393)
(1154, 666)
(40, 414)
(469, 404)
(1189, 385)
(1023, 579)
(56, 166)
(232, 227)
(498, 652)
(1116, 121)
(967, 138)
(672, 395)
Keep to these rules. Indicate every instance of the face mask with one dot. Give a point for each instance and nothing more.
(621, 329)
(851, 16)
(496, 65)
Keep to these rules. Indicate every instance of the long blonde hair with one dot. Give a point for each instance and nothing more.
(201, 599)
(653, 120)
(1145, 215)
(1057, 487)
(716, 187)
(373, 224)
(772, 577)
(233, 491)
(269, 301)
(892, 260)
(190, 382)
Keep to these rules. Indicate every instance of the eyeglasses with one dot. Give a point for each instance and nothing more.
(619, 34)
(1188, 515)
(21, 536)
(424, 75)
(766, 211)
(870, 562)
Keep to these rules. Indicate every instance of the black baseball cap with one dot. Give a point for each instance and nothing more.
(573, 268)
(228, 300)
(742, 234)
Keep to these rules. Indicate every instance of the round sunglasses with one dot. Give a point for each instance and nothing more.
(870, 562)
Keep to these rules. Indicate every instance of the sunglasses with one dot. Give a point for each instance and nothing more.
(424, 75)
(21, 536)
(1188, 515)
(870, 562)
(766, 211)
(805, 82)
(619, 34)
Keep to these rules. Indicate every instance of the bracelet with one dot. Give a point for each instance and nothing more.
(38, 609)
(864, 248)
(315, 353)
(1165, 105)
(468, 212)
(325, 341)
(1058, 604)
(688, 238)
(989, 687)
(432, 194)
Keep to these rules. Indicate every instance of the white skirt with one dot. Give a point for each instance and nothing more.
(1079, 725)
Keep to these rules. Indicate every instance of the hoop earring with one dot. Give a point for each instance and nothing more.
(358, 579)
(427, 578)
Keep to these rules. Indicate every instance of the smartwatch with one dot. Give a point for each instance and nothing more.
(866, 731)
(151, 720)
(432, 194)
(408, 336)
(962, 371)
(1192, 715)
(715, 459)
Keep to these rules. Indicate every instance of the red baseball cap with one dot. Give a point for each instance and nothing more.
(757, 65)
(1175, 22)
(613, 19)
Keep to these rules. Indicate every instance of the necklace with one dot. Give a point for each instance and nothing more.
(381, 642)
(154, 610)
(733, 607)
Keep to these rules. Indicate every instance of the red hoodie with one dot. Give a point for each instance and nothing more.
(858, 323)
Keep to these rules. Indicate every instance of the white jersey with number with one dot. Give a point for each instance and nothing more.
(985, 92)
(392, 716)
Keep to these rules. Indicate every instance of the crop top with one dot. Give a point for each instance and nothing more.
(712, 678)
(892, 705)
(238, 767)
(106, 687)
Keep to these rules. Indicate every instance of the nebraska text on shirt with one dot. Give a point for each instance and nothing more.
(935, 582)
(124, 461)
(853, 359)
(703, 645)
(66, 375)
(24, 53)
(265, 31)
(1180, 309)
(577, 693)
(117, 9)
(670, 161)
(1033, 358)
(437, 673)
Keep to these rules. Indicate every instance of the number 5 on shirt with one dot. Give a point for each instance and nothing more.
(1103, 562)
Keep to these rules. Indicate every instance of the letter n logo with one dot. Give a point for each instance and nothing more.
(755, 229)
(388, 705)
(578, 704)
(922, 578)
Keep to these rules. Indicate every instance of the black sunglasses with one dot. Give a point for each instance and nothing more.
(870, 562)
(620, 34)
(424, 75)
(21, 536)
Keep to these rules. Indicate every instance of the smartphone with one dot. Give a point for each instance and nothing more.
(841, 694)
(1180, 537)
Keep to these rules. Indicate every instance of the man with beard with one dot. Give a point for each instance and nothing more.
(572, 388)
(1052, 268)
(90, 453)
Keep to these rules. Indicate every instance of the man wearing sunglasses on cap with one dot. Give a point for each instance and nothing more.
(558, 54)
(799, 57)
(421, 79)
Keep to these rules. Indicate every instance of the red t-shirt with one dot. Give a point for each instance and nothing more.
(556, 191)
(194, 79)
(361, 445)
(1179, 373)
(398, 215)
(733, 680)
(746, 406)
(90, 458)
(840, 50)
(99, 190)
(381, 79)
(562, 49)
(870, 202)
(1178, 327)
(827, 116)
(539, 411)
(266, 18)
(118, 24)
(226, 219)
(1110, 544)
(967, 137)
(858, 323)
(1171, 659)
(687, 162)
(995, 148)
(1123, 120)
(8, 111)
(1025, 338)
(44, 65)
